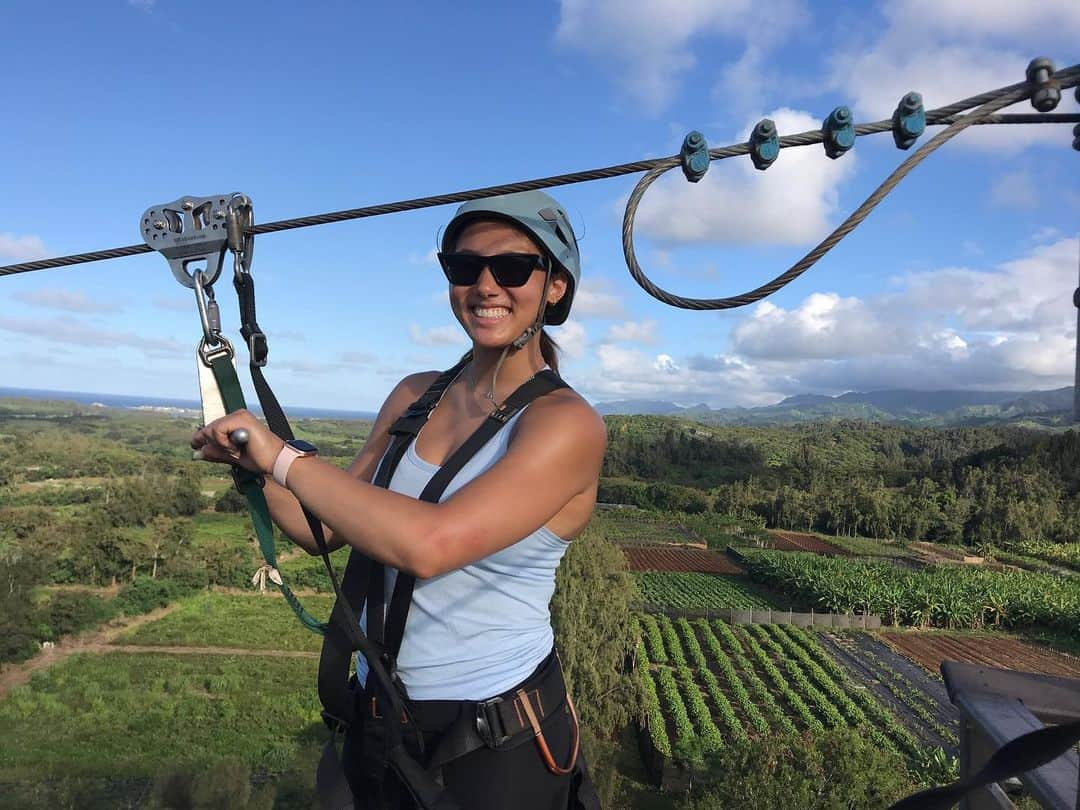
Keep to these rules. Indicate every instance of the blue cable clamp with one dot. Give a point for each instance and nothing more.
(839, 131)
(694, 156)
(764, 144)
(908, 121)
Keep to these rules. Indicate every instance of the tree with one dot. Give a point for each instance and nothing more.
(590, 612)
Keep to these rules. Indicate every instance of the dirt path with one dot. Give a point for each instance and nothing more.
(246, 651)
(91, 641)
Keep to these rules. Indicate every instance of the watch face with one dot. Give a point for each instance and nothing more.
(302, 446)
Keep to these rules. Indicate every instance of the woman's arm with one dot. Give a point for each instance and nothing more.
(555, 454)
(285, 509)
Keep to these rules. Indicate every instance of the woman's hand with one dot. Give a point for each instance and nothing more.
(213, 443)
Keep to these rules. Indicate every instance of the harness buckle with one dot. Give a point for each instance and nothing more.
(257, 348)
(487, 720)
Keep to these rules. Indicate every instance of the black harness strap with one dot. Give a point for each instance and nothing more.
(335, 692)
(364, 582)
(543, 383)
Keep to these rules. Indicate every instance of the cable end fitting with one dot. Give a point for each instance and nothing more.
(694, 156)
(908, 121)
(764, 144)
(1076, 137)
(839, 132)
(1045, 91)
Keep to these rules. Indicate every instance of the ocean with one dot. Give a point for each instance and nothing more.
(125, 401)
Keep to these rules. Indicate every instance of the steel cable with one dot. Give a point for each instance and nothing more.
(987, 103)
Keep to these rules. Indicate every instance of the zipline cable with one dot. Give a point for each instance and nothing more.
(987, 105)
(997, 101)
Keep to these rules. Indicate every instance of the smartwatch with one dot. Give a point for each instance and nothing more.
(293, 449)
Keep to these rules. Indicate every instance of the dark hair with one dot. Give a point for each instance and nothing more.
(550, 350)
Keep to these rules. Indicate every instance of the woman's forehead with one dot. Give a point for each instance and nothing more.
(483, 235)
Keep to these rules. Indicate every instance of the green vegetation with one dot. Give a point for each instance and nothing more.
(964, 485)
(255, 621)
(693, 590)
(137, 715)
(939, 596)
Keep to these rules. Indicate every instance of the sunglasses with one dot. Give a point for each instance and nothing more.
(508, 269)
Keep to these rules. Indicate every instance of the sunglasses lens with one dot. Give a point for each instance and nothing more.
(508, 269)
(511, 269)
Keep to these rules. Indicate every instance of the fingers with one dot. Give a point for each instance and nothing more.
(216, 442)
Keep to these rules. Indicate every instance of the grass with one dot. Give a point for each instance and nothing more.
(137, 715)
(258, 621)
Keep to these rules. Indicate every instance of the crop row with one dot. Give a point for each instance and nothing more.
(939, 596)
(696, 590)
(758, 680)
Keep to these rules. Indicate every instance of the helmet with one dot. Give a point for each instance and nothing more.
(540, 216)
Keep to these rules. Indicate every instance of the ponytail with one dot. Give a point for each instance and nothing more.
(549, 349)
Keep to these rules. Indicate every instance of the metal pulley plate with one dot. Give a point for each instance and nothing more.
(191, 233)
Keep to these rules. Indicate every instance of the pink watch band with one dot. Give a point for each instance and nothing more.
(284, 460)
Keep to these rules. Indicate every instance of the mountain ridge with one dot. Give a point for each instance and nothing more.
(940, 407)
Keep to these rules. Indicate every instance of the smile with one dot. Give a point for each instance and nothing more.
(492, 313)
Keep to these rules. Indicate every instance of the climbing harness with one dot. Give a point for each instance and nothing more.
(493, 723)
(194, 233)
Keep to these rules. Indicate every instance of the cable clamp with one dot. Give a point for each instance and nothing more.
(839, 132)
(694, 156)
(1045, 90)
(764, 144)
(908, 121)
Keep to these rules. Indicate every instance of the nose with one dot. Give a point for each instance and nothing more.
(486, 282)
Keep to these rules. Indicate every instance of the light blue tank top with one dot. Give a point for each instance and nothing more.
(475, 632)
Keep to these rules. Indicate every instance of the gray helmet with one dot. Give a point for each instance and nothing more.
(544, 220)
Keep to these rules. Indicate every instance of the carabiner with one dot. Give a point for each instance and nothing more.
(209, 313)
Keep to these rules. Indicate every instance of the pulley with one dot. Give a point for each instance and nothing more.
(187, 232)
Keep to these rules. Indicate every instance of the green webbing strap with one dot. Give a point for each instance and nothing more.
(249, 484)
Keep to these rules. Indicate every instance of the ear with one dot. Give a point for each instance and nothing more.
(557, 288)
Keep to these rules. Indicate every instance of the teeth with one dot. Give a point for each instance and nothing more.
(491, 312)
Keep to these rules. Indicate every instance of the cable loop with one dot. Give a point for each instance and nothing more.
(807, 261)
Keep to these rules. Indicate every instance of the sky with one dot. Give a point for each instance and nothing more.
(962, 278)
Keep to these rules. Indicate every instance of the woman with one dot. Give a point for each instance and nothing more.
(484, 557)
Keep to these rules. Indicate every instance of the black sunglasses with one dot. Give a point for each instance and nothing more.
(508, 269)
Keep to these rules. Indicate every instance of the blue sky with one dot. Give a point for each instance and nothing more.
(962, 279)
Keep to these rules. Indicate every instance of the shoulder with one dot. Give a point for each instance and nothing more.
(404, 394)
(565, 419)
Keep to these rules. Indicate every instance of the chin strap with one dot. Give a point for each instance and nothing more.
(522, 339)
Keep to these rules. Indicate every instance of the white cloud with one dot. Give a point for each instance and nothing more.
(953, 49)
(65, 300)
(22, 248)
(1014, 190)
(143, 5)
(436, 335)
(1010, 327)
(592, 300)
(632, 331)
(824, 325)
(646, 45)
(572, 339)
(72, 331)
(792, 203)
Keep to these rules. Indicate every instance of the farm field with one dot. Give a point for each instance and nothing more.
(634, 527)
(679, 559)
(915, 696)
(708, 684)
(800, 541)
(697, 591)
(930, 649)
